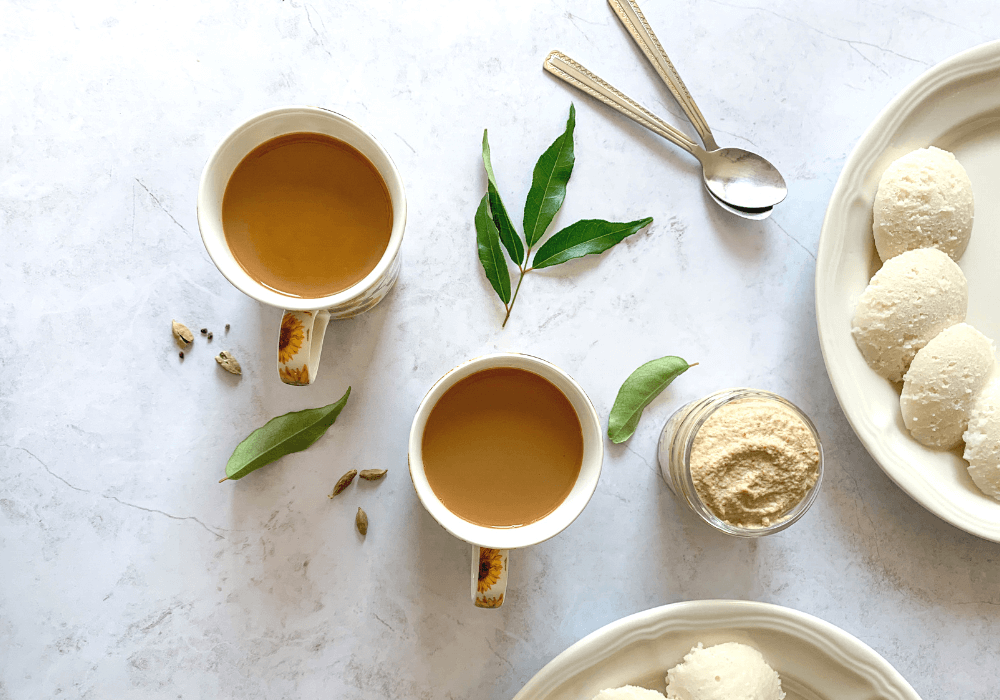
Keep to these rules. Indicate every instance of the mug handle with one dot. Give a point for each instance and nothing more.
(300, 343)
(489, 576)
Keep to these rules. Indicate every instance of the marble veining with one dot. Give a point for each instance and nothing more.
(128, 571)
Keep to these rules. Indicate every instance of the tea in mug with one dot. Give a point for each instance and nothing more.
(502, 447)
(307, 215)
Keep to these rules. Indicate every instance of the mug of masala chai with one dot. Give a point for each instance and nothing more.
(505, 452)
(302, 209)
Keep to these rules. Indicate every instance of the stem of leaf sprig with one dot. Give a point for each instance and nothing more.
(510, 306)
(495, 233)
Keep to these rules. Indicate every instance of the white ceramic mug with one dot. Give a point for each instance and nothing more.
(304, 322)
(491, 545)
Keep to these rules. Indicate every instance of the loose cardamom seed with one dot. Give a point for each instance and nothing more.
(361, 520)
(183, 336)
(343, 482)
(372, 474)
(228, 363)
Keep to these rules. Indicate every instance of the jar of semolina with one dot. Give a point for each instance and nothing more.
(746, 461)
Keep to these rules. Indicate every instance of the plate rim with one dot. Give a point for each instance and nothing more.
(978, 60)
(614, 636)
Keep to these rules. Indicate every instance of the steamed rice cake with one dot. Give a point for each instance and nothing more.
(915, 296)
(729, 671)
(924, 200)
(982, 440)
(941, 383)
(629, 692)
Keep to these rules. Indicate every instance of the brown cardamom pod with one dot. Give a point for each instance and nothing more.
(361, 520)
(373, 474)
(344, 482)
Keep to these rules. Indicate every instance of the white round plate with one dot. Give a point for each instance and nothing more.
(816, 660)
(955, 106)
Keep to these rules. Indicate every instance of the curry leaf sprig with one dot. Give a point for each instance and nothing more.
(495, 232)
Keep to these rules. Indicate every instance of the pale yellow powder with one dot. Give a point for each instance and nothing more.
(752, 461)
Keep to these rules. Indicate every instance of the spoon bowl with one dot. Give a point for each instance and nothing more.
(741, 179)
(752, 214)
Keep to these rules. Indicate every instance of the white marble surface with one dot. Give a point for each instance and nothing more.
(129, 572)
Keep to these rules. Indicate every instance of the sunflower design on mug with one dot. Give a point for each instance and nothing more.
(491, 566)
(298, 377)
(292, 336)
(482, 602)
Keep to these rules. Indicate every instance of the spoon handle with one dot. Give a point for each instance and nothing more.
(565, 68)
(635, 22)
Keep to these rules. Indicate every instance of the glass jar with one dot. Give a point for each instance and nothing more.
(674, 457)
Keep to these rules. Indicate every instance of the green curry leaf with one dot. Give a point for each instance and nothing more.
(292, 432)
(586, 237)
(548, 183)
(490, 254)
(641, 387)
(508, 234)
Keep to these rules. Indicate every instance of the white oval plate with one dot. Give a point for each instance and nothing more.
(956, 106)
(816, 660)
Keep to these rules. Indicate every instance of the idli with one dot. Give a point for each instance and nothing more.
(924, 200)
(628, 692)
(941, 383)
(982, 440)
(730, 671)
(915, 296)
